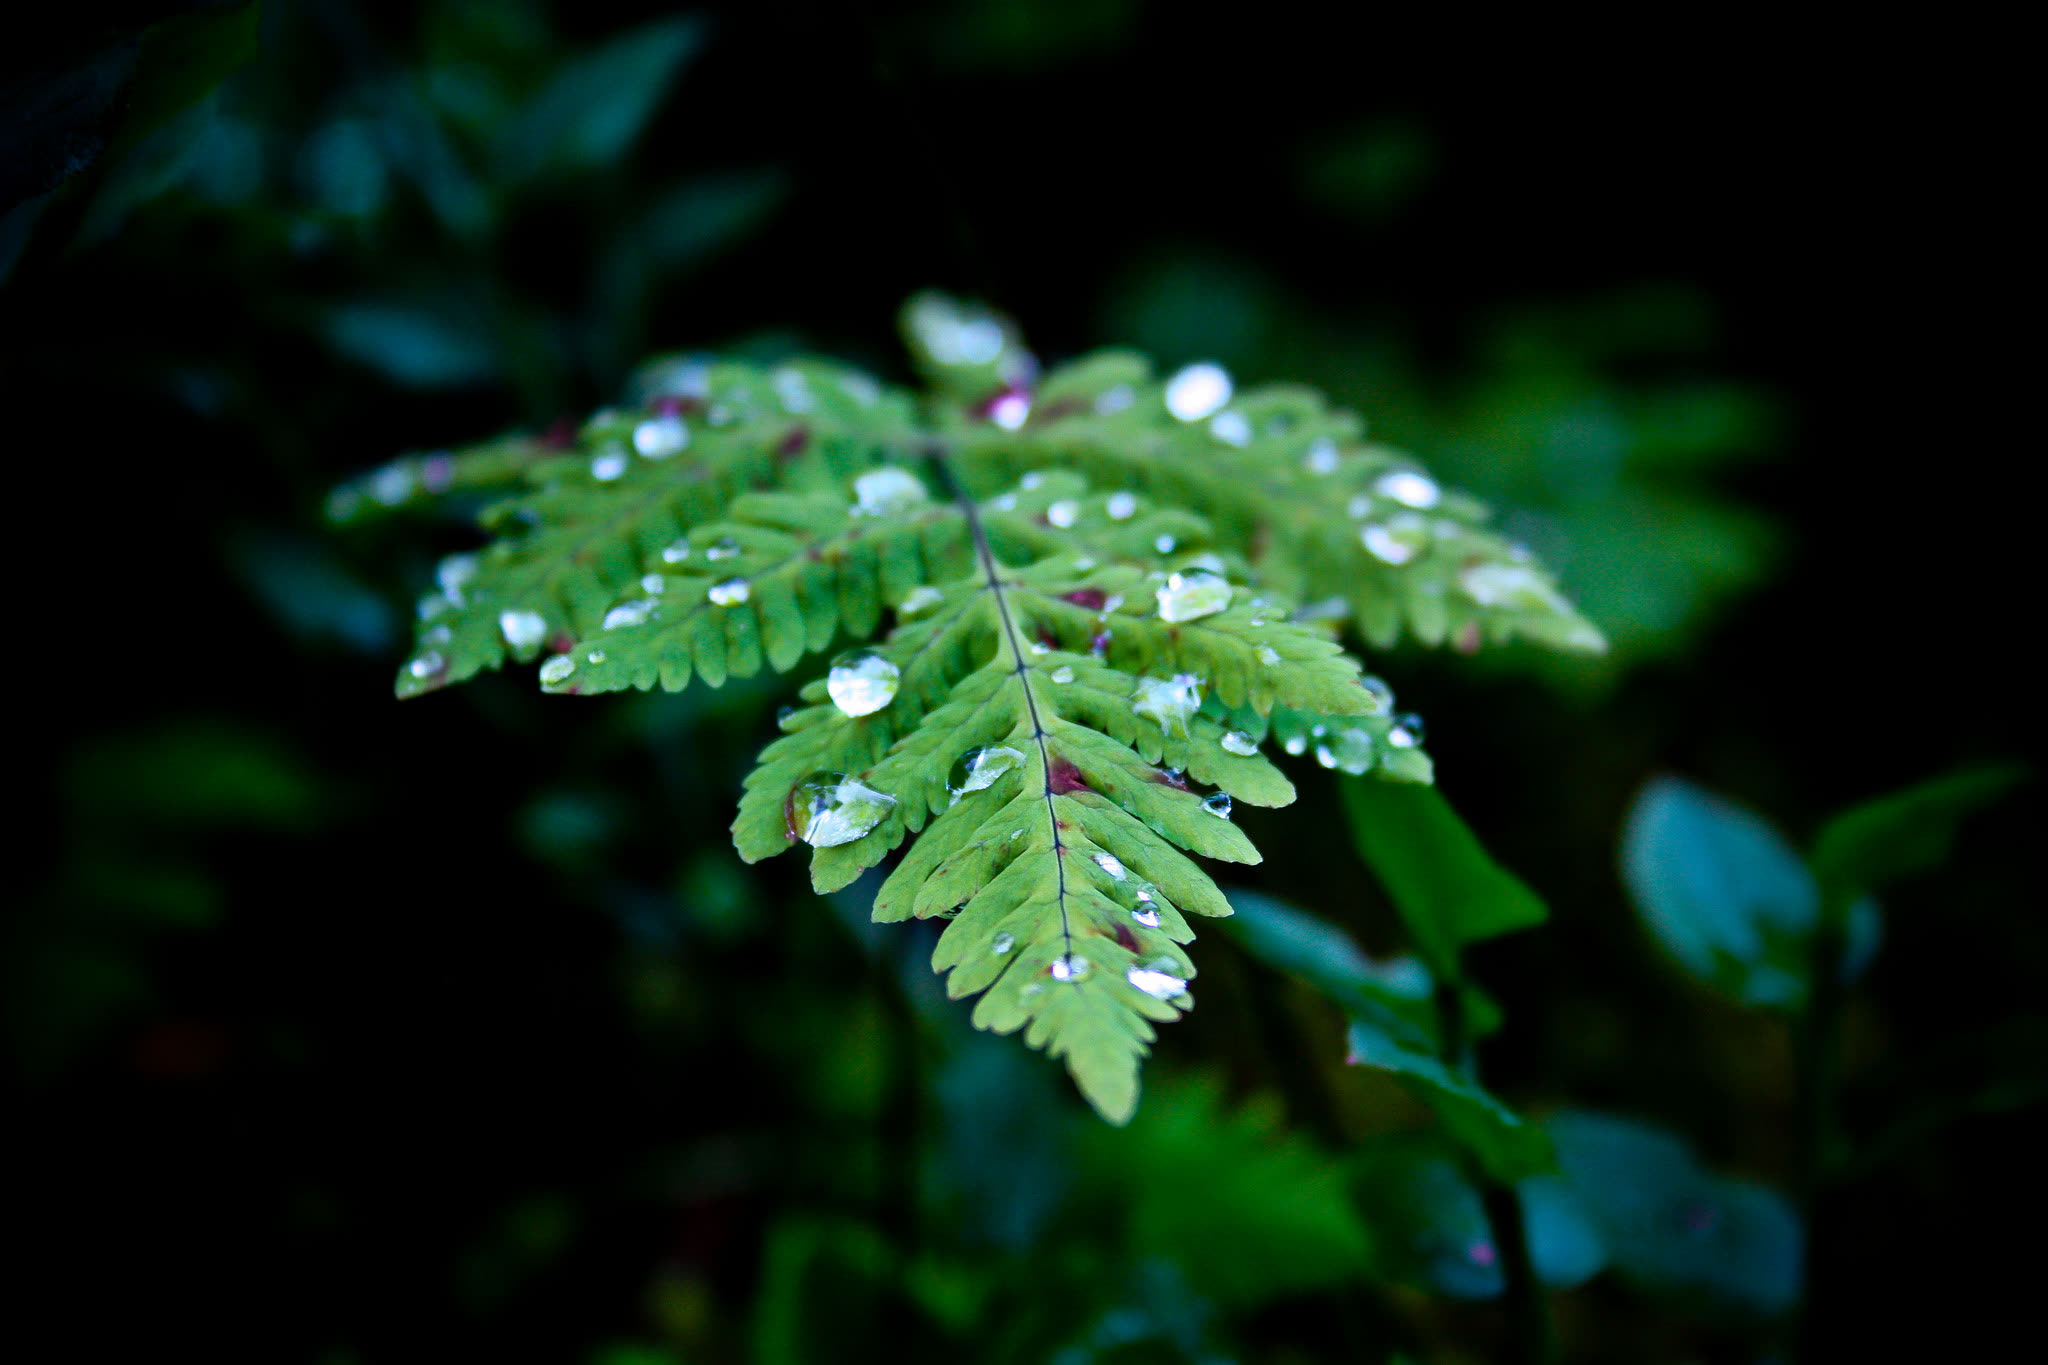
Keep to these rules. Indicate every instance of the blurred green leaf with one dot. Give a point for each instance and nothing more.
(1506, 1146)
(1906, 832)
(1397, 993)
(1449, 891)
(1671, 1225)
(197, 774)
(1721, 890)
(414, 344)
(594, 108)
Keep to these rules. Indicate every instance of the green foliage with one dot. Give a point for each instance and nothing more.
(1083, 605)
(1902, 833)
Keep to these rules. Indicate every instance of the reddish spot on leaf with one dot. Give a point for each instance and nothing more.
(1065, 407)
(1128, 939)
(1171, 777)
(792, 444)
(1091, 598)
(559, 436)
(1065, 777)
(1467, 639)
(563, 642)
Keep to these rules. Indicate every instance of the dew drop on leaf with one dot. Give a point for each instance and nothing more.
(888, 491)
(1121, 506)
(657, 438)
(725, 547)
(1296, 745)
(1407, 731)
(1217, 804)
(1111, 864)
(1115, 399)
(1409, 488)
(438, 635)
(1515, 586)
(862, 682)
(1238, 742)
(1231, 428)
(1146, 916)
(557, 670)
(1164, 544)
(1197, 391)
(729, 593)
(1063, 513)
(1170, 701)
(1350, 750)
(830, 809)
(1191, 596)
(1002, 943)
(1071, 967)
(1268, 655)
(979, 768)
(919, 599)
(1158, 979)
(1380, 695)
(1010, 409)
(677, 551)
(1321, 457)
(1062, 674)
(453, 574)
(1395, 541)
(426, 665)
(609, 465)
(628, 614)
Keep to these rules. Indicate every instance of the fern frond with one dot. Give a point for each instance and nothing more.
(1079, 612)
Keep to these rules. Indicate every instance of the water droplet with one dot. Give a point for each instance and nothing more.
(657, 438)
(1407, 731)
(596, 656)
(830, 809)
(1084, 564)
(676, 551)
(1170, 701)
(1268, 655)
(609, 465)
(1109, 863)
(426, 665)
(628, 614)
(1380, 695)
(1296, 745)
(1002, 943)
(1158, 980)
(1238, 742)
(522, 629)
(980, 768)
(862, 682)
(392, 484)
(1071, 967)
(729, 593)
(438, 635)
(557, 669)
(454, 573)
(1231, 428)
(1359, 507)
(919, 599)
(1191, 596)
(1062, 674)
(1010, 409)
(1039, 648)
(1396, 541)
(653, 584)
(1146, 912)
(1321, 457)
(782, 715)
(725, 547)
(1115, 399)
(1212, 562)
(1007, 502)
(1408, 487)
(1121, 506)
(1034, 479)
(860, 388)
(1514, 586)
(1197, 391)
(1217, 804)
(1349, 750)
(794, 391)
(1164, 544)
(1063, 513)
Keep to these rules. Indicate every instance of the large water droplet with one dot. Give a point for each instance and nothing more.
(1035, 479)
(1191, 596)
(862, 682)
(1238, 742)
(454, 573)
(628, 614)
(729, 593)
(1379, 695)
(1121, 506)
(1197, 391)
(609, 464)
(1515, 586)
(1063, 513)
(1170, 701)
(657, 438)
(1164, 544)
(1146, 911)
(1397, 540)
(979, 768)
(426, 665)
(676, 551)
(1158, 979)
(1350, 750)
(1321, 457)
(1217, 804)
(919, 599)
(1295, 744)
(794, 390)
(1407, 731)
(1071, 967)
(1408, 487)
(888, 491)
(522, 629)
(653, 584)
(725, 547)
(1111, 864)
(557, 670)
(1002, 943)
(830, 809)
(1231, 428)
(1063, 674)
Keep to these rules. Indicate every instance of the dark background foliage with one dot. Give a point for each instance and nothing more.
(347, 1031)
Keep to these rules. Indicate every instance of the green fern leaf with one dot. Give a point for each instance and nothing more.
(1084, 608)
